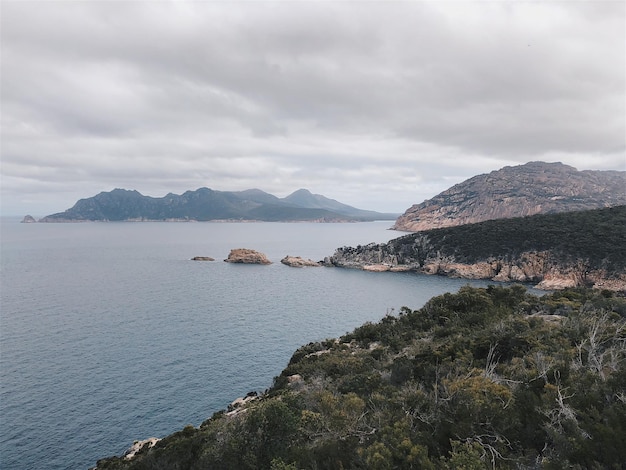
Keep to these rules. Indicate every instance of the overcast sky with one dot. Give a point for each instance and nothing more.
(379, 105)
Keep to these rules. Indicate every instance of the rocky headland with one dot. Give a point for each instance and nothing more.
(246, 256)
(518, 191)
(553, 251)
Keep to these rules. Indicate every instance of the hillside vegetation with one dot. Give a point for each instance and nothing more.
(485, 378)
(585, 248)
(596, 236)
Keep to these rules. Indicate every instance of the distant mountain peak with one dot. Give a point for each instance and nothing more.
(516, 191)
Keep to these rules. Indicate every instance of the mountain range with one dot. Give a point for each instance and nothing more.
(517, 191)
(512, 191)
(206, 204)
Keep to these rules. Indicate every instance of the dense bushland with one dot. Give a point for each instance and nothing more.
(484, 378)
(596, 236)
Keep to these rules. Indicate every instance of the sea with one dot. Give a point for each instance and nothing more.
(109, 333)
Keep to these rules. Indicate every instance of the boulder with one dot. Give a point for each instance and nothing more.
(298, 262)
(247, 256)
(138, 446)
(378, 268)
(237, 406)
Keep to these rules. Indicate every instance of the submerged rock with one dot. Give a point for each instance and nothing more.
(247, 256)
(202, 258)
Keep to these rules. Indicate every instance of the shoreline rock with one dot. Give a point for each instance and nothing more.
(298, 262)
(246, 256)
(539, 269)
(138, 446)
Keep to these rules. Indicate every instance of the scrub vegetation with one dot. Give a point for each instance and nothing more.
(598, 237)
(484, 378)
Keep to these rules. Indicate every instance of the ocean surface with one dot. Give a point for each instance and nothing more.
(109, 333)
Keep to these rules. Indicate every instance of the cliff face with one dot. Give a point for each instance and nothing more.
(543, 269)
(553, 251)
(518, 191)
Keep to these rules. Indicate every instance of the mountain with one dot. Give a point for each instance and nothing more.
(568, 249)
(517, 191)
(489, 378)
(206, 204)
(304, 198)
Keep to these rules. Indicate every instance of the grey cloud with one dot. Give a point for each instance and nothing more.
(278, 95)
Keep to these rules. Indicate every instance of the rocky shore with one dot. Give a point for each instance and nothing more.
(542, 269)
(298, 262)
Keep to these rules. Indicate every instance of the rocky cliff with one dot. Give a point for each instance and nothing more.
(554, 251)
(517, 191)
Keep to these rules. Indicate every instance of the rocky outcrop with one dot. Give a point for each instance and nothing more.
(239, 404)
(517, 191)
(541, 269)
(29, 219)
(298, 262)
(247, 256)
(139, 446)
(202, 258)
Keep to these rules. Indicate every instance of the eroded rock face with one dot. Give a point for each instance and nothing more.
(298, 262)
(540, 268)
(517, 191)
(247, 256)
(377, 268)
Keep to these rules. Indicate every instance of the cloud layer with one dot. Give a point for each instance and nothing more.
(376, 104)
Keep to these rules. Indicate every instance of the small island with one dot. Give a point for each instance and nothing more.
(246, 256)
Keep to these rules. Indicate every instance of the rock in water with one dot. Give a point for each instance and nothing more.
(247, 256)
(298, 262)
(29, 219)
(202, 258)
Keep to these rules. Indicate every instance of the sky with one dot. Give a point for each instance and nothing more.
(379, 105)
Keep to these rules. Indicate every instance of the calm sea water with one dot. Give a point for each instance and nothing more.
(109, 333)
